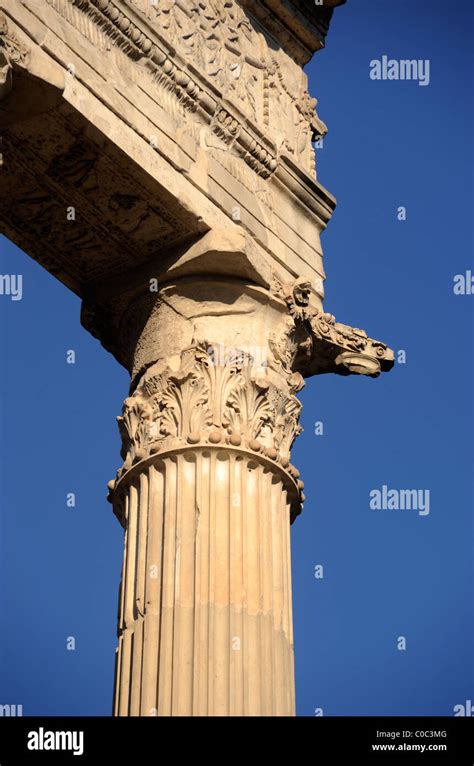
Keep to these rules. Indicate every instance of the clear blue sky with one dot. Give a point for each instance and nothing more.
(386, 573)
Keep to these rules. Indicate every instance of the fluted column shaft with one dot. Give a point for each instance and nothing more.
(205, 606)
(206, 495)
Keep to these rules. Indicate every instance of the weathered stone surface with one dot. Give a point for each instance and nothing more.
(158, 160)
(154, 99)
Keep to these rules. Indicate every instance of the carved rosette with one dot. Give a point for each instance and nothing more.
(230, 404)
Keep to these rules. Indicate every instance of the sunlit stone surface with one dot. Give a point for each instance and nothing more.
(158, 160)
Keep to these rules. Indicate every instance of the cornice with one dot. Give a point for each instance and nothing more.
(131, 32)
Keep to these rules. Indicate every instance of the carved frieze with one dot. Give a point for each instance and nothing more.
(204, 54)
(89, 215)
(233, 51)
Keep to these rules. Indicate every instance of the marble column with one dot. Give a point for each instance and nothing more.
(206, 495)
(172, 186)
(207, 492)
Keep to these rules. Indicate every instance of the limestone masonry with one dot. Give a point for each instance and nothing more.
(158, 160)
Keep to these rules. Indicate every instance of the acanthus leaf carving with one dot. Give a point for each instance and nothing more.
(134, 426)
(10, 47)
(205, 402)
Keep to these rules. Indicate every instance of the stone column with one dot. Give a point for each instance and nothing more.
(159, 162)
(206, 495)
(205, 609)
(207, 492)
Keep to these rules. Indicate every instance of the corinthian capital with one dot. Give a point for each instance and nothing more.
(214, 397)
(218, 352)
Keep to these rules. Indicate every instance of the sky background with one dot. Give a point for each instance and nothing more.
(386, 573)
